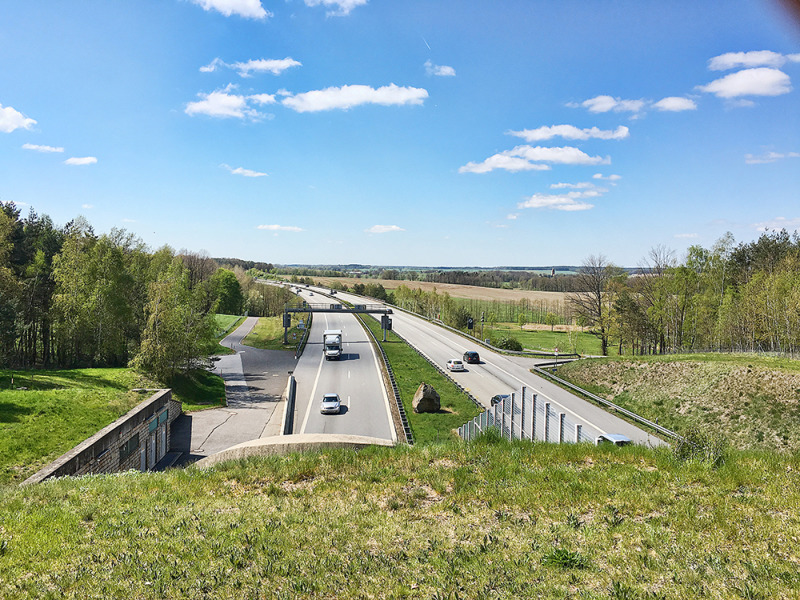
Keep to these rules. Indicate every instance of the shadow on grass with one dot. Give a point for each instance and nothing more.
(11, 413)
(199, 387)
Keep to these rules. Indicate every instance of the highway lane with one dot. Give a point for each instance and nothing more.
(356, 377)
(501, 374)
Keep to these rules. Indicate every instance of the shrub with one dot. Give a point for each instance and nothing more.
(701, 445)
(507, 343)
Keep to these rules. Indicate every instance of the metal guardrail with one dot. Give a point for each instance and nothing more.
(395, 389)
(630, 414)
(301, 345)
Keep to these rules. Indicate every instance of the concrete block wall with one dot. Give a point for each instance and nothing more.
(136, 440)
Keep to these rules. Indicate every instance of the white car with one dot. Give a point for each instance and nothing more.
(455, 365)
(331, 404)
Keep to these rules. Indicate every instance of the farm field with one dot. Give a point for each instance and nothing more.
(455, 290)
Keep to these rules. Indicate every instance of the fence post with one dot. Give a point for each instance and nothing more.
(561, 418)
(522, 414)
(578, 429)
(546, 421)
(511, 426)
(533, 418)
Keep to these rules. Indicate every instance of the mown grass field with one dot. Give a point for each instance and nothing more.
(567, 342)
(268, 334)
(410, 370)
(752, 401)
(60, 409)
(486, 519)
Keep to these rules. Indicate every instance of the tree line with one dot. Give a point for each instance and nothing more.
(72, 298)
(731, 297)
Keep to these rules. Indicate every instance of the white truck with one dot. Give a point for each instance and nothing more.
(332, 344)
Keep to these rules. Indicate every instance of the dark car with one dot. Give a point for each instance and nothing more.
(499, 398)
(471, 357)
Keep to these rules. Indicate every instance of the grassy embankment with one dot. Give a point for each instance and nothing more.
(58, 409)
(546, 340)
(225, 325)
(268, 334)
(487, 519)
(752, 401)
(410, 370)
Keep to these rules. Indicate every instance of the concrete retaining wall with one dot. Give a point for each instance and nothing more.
(137, 440)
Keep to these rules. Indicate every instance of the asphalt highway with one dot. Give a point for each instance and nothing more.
(356, 377)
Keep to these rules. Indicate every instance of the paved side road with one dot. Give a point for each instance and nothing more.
(254, 383)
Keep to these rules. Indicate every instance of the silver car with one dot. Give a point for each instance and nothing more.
(331, 405)
(455, 365)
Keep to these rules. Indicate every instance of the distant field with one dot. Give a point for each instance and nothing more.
(455, 290)
(541, 338)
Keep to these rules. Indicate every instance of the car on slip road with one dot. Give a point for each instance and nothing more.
(455, 365)
(471, 357)
(499, 399)
(331, 405)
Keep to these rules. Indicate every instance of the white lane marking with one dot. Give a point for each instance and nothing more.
(382, 386)
(313, 393)
(348, 373)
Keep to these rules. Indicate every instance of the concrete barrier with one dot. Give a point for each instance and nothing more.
(286, 444)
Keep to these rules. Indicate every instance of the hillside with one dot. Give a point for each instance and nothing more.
(751, 401)
(487, 519)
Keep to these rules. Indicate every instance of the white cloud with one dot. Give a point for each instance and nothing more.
(223, 104)
(769, 157)
(79, 161)
(126, 220)
(249, 9)
(573, 186)
(602, 104)
(778, 223)
(280, 228)
(87, 205)
(11, 119)
(383, 229)
(439, 70)
(349, 96)
(512, 217)
(38, 148)
(611, 178)
(340, 8)
(246, 69)
(762, 81)
(686, 235)
(529, 158)
(675, 104)
(244, 172)
(567, 202)
(736, 60)
(570, 132)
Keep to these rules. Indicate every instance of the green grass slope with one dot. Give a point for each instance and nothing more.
(486, 519)
(753, 402)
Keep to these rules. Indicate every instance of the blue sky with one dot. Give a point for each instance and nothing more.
(405, 132)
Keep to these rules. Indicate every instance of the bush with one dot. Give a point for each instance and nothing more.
(701, 445)
(507, 343)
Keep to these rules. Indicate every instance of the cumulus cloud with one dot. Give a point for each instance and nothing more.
(80, 161)
(243, 172)
(276, 66)
(530, 158)
(611, 178)
(39, 148)
(675, 104)
(569, 202)
(280, 228)
(87, 205)
(769, 157)
(337, 8)
(512, 216)
(603, 104)
(383, 229)
(11, 119)
(571, 132)
(348, 96)
(759, 58)
(762, 81)
(584, 185)
(223, 104)
(686, 235)
(249, 9)
(439, 70)
(778, 223)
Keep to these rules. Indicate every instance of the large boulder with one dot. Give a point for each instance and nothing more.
(426, 400)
